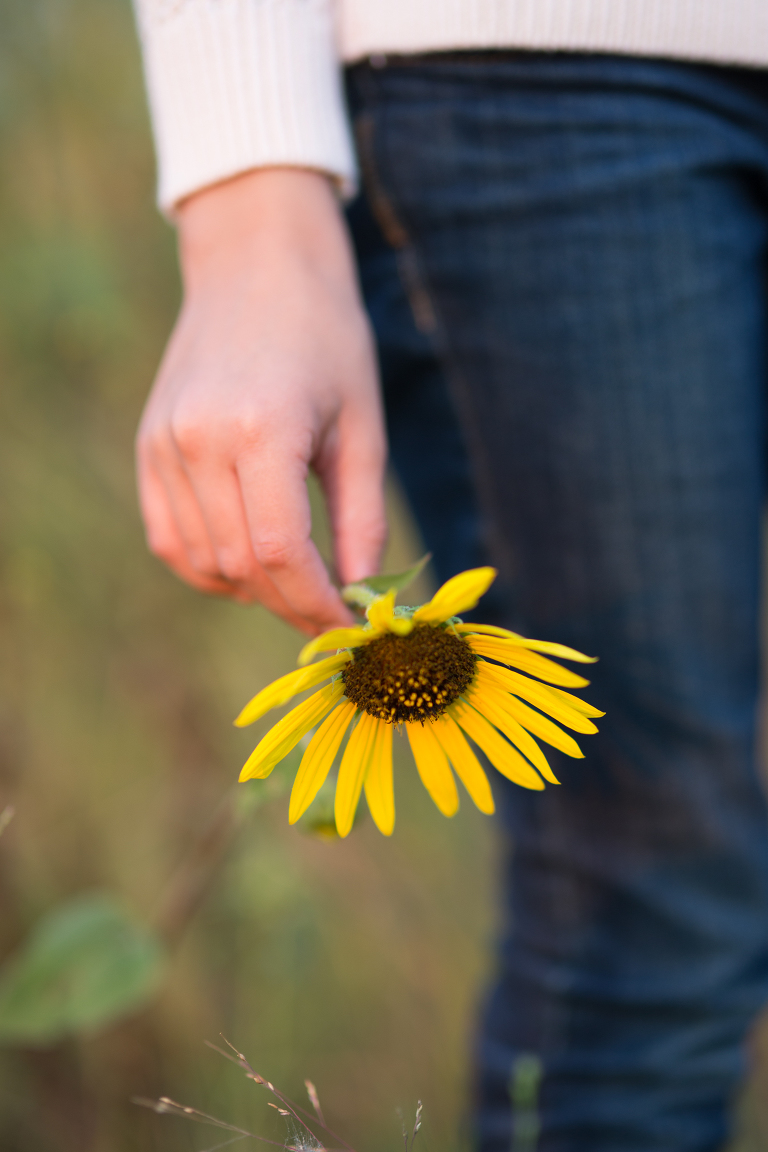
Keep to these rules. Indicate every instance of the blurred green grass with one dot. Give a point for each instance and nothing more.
(355, 964)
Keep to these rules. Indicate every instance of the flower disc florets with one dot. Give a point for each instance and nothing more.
(409, 678)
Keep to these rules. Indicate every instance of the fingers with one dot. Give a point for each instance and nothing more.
(273, 485)
(164, 538)
(195, 520)
(216, 486)
(352, 473)
(242, 528)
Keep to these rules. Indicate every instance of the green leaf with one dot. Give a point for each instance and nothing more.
(84, 965)
(364, 591)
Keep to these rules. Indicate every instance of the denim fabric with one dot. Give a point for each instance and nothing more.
(582, 240)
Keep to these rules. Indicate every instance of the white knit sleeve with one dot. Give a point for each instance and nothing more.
(241, 84)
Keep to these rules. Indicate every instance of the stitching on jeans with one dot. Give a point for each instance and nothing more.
(426, 318)
(395, 234)
(421, 306)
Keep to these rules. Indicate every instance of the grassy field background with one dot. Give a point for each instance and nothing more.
(351, 963)
(355, 964)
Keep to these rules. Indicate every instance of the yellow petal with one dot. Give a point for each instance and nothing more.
(379, 791)
(491, 703)
(352, 770)
(456, 595)
(381, 615)
(547, 646)
(286, 734)
(529, 661)
(336, 638)
(541, 726)
(577, 703)
(433, 767)
(498, 750)
(381, 611)
(281, 690)
(487, 629)
(318, 758)
(465, 764)
(556, 703)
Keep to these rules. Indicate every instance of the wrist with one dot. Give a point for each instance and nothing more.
(256, 214)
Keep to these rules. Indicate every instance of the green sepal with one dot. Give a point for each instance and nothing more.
(364, 592)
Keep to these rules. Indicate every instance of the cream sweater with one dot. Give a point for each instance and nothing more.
(240, 84)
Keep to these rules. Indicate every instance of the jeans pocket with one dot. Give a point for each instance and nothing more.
(394, 231)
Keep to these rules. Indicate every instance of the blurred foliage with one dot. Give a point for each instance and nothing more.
(84, 966)
(352, 963)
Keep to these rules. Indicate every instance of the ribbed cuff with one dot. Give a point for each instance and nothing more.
(241, 84)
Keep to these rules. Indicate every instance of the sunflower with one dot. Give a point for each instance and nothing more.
(445, 682)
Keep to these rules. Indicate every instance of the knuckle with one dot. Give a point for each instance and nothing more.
(203, 563)
(163, 454)
(376, 530)
(274, 551)
(189, 436)
(151, 445)
(252, 430)
(165, 550)
(237, 567)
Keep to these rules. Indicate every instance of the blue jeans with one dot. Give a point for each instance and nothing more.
(582, 240)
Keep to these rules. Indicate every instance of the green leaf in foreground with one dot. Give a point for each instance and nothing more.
(85, 965)
(363, 592)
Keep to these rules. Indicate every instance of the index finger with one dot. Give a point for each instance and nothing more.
(274, 492)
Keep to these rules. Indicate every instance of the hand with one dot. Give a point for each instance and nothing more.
(269, 371)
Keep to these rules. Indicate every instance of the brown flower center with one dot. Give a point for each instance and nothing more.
(409, 678)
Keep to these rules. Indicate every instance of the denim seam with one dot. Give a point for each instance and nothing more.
(427, 320)
(411, 277)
